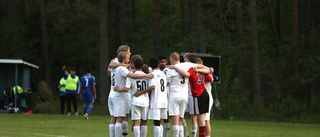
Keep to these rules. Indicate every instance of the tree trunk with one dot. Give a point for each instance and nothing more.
(24, 4)
(202, 47)
(183, 19)
(295, 45)
(44, 39)
(156, 26)
(121, 22)
(307, 26)
(191, 16)
(133, 11)
(279, 28)
(273, 26)
(240, 41)
(255, 53)
(104, 53)
(221, 18)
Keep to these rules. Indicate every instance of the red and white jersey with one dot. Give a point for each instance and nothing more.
(120, 79)
(139, 85)
(159, 95)
(178, 84)
(197, 81)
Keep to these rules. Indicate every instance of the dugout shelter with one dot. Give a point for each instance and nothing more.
(210, 61)
(15, 72)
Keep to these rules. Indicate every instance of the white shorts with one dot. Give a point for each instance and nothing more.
(138, 112)
(128, 103)
(210, 106)
(157, 113)
(116, 104)
(110, 106)
(190, 106)
(177, 106)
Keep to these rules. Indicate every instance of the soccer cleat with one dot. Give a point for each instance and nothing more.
(76, 113)
(86, 116)
(69, 114)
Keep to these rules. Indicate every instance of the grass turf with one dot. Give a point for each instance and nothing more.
(45, 125)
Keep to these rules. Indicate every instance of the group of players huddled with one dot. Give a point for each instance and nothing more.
(157, 92)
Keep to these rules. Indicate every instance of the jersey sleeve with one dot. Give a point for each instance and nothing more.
(93, 81)
(124, 71)
(208, 78)
(152, 82)
(128, 83)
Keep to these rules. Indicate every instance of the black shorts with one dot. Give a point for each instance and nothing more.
(201, 103)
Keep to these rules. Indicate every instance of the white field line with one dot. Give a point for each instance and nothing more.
(36, 134)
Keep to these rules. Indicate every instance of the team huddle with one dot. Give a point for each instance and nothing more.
(157, 92)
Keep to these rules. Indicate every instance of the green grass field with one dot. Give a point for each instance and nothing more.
(43, 125)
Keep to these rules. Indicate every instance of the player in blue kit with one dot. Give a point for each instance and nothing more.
(87, 92)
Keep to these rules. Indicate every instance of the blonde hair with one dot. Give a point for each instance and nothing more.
(123, 48)
(122, 55)
(175, 56)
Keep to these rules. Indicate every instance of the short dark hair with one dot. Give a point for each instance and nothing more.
(154, 62)
(88, 70)
(161, 57)
(192, 58)
(138, 63)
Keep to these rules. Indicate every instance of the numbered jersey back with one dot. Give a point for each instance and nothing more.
(138, 85)
(159, 95)
(87, 81)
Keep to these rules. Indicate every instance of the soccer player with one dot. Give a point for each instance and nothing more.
(114, 63)
(178, 94)
(140, 101)
(159, 101)
(162, 67)
(87, 92)
(118, 99)
(72, 89)
(201, 97)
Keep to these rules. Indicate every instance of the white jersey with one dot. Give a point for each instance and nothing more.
(178, 84)
(208, 86)
(139, 85)
(159, 94)
(121, 73)
(113, 73)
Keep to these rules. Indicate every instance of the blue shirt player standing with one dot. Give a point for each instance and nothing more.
(87, 92)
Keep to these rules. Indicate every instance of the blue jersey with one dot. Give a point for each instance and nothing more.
(87, 81)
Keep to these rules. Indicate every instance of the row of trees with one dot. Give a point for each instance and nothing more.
(267, 47)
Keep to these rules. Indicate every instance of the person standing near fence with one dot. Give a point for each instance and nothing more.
(62, 94)
(72, 89)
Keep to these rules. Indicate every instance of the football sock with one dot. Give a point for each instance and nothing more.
(194, 130)
(181, 131)
(89, 109)
(207, 136)
(157, 130)
(185, 128)
(202, 131)
(84, 109)
(166, 128)
(117, 130)
(161, 130)
(144, 130)
(175, 130)
(111, 130)
(136, 131)
(124, 128)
